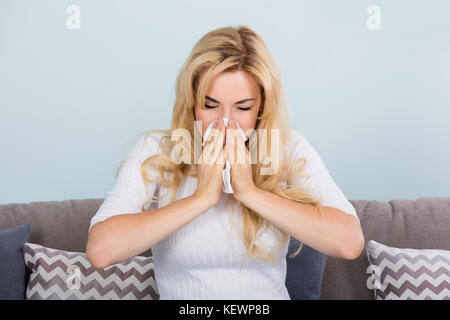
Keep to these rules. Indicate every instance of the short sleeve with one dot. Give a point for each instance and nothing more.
(315, 178)
(130, 191)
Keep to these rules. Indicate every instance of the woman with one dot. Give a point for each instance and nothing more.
(200, 237)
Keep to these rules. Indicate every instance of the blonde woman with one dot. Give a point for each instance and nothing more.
(208, 244)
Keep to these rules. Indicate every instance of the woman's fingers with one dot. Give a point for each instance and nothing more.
(220, 144)
(214, 144)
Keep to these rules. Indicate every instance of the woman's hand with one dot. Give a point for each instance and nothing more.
(210, 168)
(241, 168)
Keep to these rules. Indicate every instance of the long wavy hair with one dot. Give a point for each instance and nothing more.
(222, 50)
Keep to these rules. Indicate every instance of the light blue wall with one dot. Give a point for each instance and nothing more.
(374, 103)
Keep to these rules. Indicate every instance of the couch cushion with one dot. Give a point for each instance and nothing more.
(13, 275)
(304, 272)
(63, 275)
(405, 273)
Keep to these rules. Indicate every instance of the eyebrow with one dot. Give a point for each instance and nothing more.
(238, 102)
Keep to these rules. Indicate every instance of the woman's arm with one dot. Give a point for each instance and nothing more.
(337, 234)
(124, 236)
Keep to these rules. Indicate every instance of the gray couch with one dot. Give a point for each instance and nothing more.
(423, 224)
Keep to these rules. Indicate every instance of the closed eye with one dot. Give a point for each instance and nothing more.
(240, 108)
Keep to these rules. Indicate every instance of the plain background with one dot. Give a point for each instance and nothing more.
(375, 103)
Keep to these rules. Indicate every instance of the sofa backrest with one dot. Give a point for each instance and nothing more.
(55, 224)
(423, 224)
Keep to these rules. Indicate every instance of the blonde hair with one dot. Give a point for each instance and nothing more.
(220, 50)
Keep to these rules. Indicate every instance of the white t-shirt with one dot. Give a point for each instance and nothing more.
(204, 259)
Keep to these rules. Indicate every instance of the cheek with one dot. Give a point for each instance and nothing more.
(249, 122)
(247, 127)
(202, 119)
(205, 122)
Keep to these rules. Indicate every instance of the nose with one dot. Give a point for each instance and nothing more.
(226, 121)
(226, 113)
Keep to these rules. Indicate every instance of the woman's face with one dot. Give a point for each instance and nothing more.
(235, 95)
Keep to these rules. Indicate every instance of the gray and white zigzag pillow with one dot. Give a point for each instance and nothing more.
(63, 275)
(403, 273)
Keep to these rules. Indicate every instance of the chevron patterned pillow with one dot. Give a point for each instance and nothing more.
(413, 274)
(62, 275)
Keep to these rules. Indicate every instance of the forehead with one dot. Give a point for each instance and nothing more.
(233, 85)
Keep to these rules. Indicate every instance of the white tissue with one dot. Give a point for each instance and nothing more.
(226, 175)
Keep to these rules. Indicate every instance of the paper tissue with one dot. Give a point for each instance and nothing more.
(226, 175)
